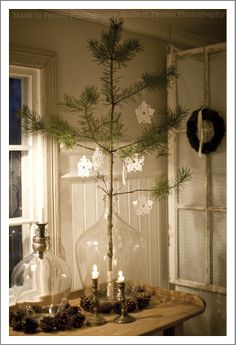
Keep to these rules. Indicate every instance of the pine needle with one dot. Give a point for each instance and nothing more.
(163, 186)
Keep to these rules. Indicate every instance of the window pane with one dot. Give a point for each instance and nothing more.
(191, 245)
(14, 105)
(15, 247)
(15, 190)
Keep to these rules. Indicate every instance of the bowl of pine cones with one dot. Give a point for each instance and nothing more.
(65, 318)
(138, 301)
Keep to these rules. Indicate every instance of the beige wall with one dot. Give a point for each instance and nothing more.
(68, 37)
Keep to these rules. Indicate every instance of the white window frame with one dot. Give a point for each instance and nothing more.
(173, 204)
(46, 158)
(32, 150)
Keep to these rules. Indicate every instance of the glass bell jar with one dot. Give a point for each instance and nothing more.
(41, 279)
(128, 255)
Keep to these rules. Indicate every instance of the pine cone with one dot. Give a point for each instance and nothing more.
(17, 324)
(63, 321)
(105, 307)
(72, 310)
(30, 325)
(66, 305)
(117, 307)
(143, 299)
(87, 303)
(37, 309)
(45, 310)
(47, 324)
(11, 317)
(140, 288)
(77, 320)
(130, 304)
(16, 318)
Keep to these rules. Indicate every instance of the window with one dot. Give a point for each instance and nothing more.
(38, 166)
(197, 216)
(24, 153)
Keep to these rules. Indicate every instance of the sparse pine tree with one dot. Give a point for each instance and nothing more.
(107, 131)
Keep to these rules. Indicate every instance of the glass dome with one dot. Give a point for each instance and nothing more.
(128, 255)
(41, 278)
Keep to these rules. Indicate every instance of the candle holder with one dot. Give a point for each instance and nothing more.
(40, 239)
(96, 320)
(124, 317)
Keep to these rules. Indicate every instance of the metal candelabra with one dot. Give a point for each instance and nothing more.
(124, 317)
(96, 320)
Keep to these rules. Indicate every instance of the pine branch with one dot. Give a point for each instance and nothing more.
(89, 97)
(110, 96)
(102, 178)
(159, 80)
(154, 136)
(150, 81)
(70, 104)
(126, 52)
(53, 126)
(163, 186)
(174, 117)
(90, 127)
(32, 123)
(61, 131)
(103, 50)
(109, 47)
(85, 147)
(132, 191)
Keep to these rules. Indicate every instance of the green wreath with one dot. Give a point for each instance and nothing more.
(218, 125)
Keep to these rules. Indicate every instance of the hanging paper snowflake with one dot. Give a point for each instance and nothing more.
(134, 163)
(98, 159)
(84, 167)
(142, 205)
(144, 113)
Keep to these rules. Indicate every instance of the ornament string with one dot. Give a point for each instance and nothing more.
(124, 174)
(200, 131)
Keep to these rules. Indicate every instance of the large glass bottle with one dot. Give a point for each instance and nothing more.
(128, 254)
(41, 279)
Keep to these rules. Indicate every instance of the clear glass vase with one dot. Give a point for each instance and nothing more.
(41, 280)
(128, 255)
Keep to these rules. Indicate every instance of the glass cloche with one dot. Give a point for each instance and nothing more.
(128, 255)
(41, 279)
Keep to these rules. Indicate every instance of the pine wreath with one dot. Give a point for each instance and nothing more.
(218, 125)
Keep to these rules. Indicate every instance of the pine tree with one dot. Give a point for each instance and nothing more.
(107, 131)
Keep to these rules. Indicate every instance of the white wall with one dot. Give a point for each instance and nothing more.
(75, 70)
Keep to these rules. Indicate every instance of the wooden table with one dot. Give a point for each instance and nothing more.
(165, 315)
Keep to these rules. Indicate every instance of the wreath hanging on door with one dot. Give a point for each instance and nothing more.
(218, 127)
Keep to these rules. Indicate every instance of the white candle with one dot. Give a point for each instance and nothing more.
(121, 278)
(41, 219)
(95, 273)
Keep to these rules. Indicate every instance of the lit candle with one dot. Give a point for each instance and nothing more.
(41, 219)
(95, 273)
(121, 278)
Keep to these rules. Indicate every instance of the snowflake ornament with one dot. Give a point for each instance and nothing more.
(98, 159)
(142, 205)
(144, 113)
(84, 167)
(134, 163)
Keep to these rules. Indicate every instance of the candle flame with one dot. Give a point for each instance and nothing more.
(120, 274)
(95, 268)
